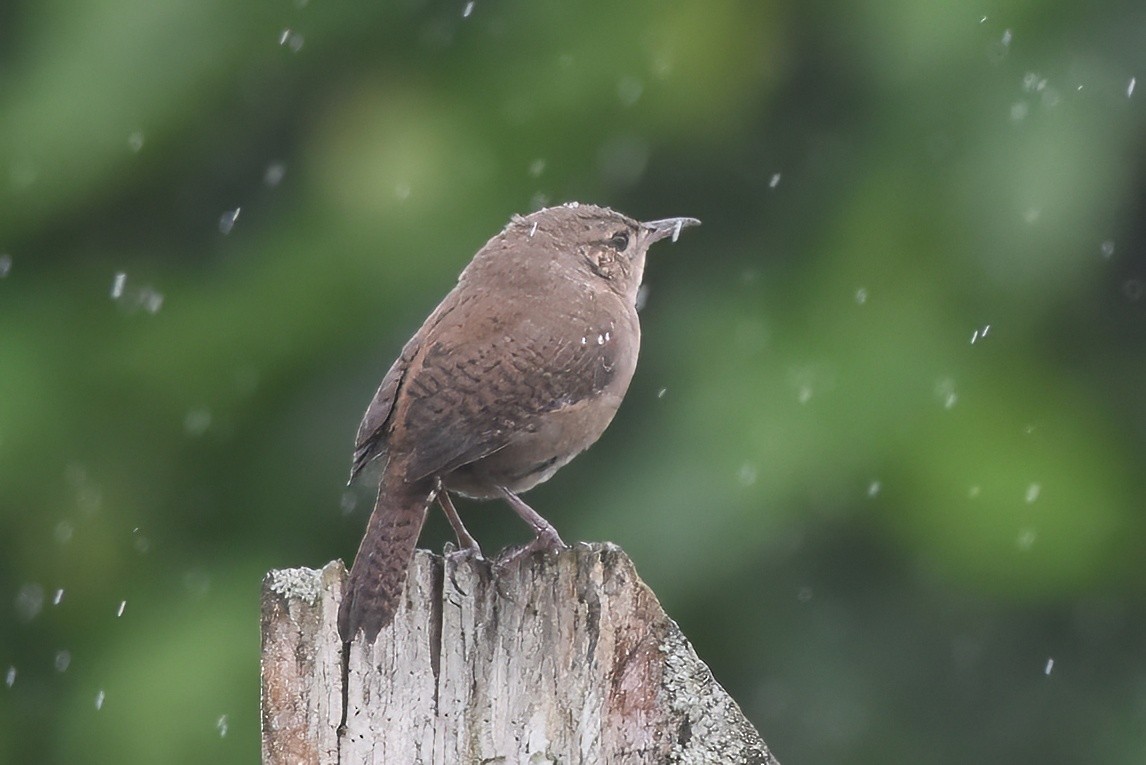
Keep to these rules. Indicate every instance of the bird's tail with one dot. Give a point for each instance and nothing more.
(378, 575)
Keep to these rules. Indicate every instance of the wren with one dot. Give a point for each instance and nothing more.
(519, 369)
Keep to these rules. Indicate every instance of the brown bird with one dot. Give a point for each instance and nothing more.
(519, 369)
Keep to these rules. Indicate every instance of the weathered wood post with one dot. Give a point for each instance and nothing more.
(561, 658)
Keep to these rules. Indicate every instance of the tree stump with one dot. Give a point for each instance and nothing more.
(561, 657)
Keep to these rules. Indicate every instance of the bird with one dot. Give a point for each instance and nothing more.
(519, 369)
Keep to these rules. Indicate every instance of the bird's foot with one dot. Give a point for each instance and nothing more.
(546, 539)
(452, 552)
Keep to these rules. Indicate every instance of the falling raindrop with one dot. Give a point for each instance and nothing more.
(774, 181)
(642, 296)
(291, 40)
(274, 173)
(29, 601)
(140, 541)
(980, 334)
(64, 532)
(135, 141)
(998, 50)
(622, 159)
(1027, 539)
(468, 10)
(57, 596)
(945, 392)
(1033, 83)
(221, 723)
(1049, 666)
(861, 295)
(227, 220)
(1050, 97)
(5, 264)
(63, 660)
(1033, 492)
(146, 297)
(10, 677)
(747, 474)
(1107, 248)
(197, 421)
(119, 611)
(629, 90)
(347, 502)
(99, 699)
(874, 488)
(661, 393)
(197, 582)
(151, 299)
(1130, 86)
(536, 168)
(533, 230)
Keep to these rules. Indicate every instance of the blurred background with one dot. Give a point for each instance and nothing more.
(883, 458)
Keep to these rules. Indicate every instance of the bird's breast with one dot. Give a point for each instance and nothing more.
(538, 451)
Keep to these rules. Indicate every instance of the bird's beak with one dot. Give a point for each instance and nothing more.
(655, 230)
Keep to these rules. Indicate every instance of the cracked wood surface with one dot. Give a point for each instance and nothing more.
(563, 657)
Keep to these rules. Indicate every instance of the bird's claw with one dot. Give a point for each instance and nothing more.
(545, 540)
(452, 552)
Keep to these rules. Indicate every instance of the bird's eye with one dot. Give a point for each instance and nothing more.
(619, 241)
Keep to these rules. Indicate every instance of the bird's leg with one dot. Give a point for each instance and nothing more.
(465, 540)
(545, 536)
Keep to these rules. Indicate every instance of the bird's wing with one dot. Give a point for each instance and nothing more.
(373, 435)
(370, 442)
(474, 389)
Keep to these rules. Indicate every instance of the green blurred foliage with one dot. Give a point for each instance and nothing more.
(883, 457)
